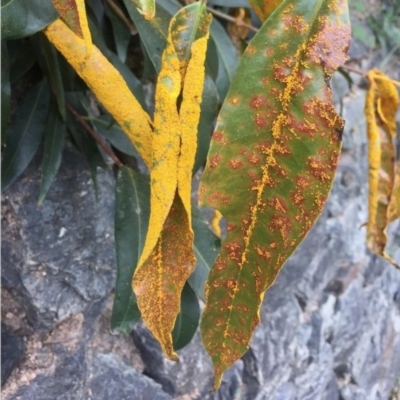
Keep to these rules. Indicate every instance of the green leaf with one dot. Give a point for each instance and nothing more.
(228, 58)
(147, 8)
(22, 58)
(187, 320)
(132, 210)
(209, 106)
(25, 134)
(230, 3)
(114, 134)
(5, 89)
(54, 138)
(206, 249)
(121, 33)
(271, 163)
(85, 143)
(53, 72)
(20, 18)
(153, 33)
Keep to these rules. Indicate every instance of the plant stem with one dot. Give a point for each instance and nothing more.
(120, 14)
(96, 137)
(355, 70)
(232, 19)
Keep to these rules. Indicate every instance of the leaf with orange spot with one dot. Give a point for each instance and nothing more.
(73, 13)
(264, 8)
(271, 164)
(168, 258)
(146, 7)
(381, 105)
(107, 84)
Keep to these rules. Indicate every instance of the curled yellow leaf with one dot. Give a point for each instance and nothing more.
(107, 84)
(381, 105)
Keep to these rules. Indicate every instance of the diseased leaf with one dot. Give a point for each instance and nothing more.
(21, 18)
(132, 209)
(54, 138)
(381, 105)
(131, 80)
(107, 84)
(271, 163)
(188, 319)
(394, 205)
(158, 282)
(73, 13)
(25, 134)
(167, 259)
(147, 9)
(264, 8)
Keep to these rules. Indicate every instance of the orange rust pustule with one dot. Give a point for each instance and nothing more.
(257, 102)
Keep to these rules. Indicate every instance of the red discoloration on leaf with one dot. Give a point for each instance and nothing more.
(289, 165)
(214, 161)
(258, 101)
(329, 45)
(235, 164)
(219, 137)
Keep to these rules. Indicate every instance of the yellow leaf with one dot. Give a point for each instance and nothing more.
(394, 205)
(167, 259)
(189, 116)
(382, 101)
(165, 148)
(107, 84)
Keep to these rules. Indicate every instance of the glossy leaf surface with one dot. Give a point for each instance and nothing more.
(54, 138)
(25, 134)
(188, 319)
(271, 163)
(132, 210)
(21, 18)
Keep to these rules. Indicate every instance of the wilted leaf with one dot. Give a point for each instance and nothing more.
(132, 194)
(25, 134)
(54, 137)
(188, 319)
(158, 282)
(271, 164)
(21, 18)
(381, 105)
(107, 84)
(167, 259)
(264, 8)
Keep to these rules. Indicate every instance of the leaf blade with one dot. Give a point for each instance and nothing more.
(289, 164)
(132, 194)
(25, 134)
(54, 138)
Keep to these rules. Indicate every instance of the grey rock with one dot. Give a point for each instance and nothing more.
(12, 351)
(112, 379)
(58, 258)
